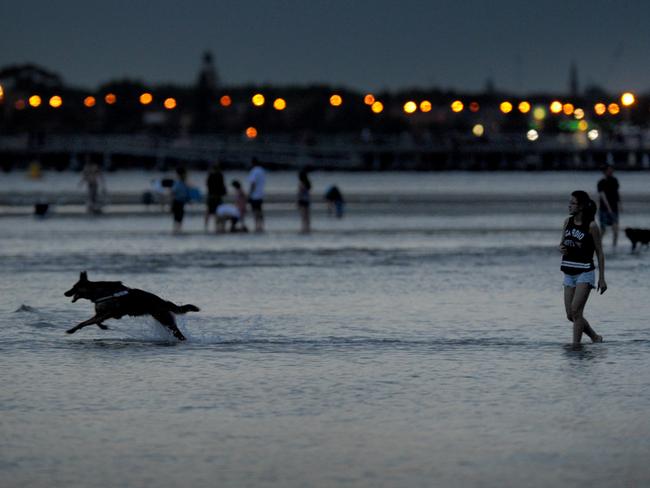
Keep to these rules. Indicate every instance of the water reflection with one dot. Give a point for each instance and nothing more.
(585, 352)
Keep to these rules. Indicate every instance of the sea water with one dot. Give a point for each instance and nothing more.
(409, 344)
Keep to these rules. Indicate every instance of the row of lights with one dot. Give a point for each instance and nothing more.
(533, 134)
(479, 130)
(56, 101)
(410, 107)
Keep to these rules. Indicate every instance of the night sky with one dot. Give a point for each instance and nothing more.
(523, 46)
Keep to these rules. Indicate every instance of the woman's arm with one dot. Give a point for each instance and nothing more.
(598, 246)
(562, 247)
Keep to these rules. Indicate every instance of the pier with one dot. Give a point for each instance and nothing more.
(337, 152)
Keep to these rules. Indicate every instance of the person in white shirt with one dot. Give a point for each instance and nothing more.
(257, 181)
(227, 212)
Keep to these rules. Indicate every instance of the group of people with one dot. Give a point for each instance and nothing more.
(234, 214)
(581, 239)
(223, 213)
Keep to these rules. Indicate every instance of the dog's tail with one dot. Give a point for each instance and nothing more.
(182, 308)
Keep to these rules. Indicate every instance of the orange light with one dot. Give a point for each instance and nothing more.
(2, 94)
(627, 99)
(251, 132)
(613, 108)
(556, 107)
(170, 103)
(110, 98)
(457, 106)
(410, 107)
(258, 99)
(35, 101)
(56, 101)
(568, 108)
(583, 125)
(600, 108)
(474, 107)
(505, 107)
(425, 106)
(279, 104)
(336, 100)
(369, 99)
(225, 101)
(146, 98)
(524, 107)
(377, 107)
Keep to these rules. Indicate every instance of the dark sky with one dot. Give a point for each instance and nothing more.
(523, 45)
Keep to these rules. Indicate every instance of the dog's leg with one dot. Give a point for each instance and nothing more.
(97, 319)
(167, 319)
(102, 326)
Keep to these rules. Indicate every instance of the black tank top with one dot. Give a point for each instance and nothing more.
(580, 246)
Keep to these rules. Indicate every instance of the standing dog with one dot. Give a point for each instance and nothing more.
(638, 236)
(113, 300)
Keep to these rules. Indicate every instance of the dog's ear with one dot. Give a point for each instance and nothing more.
(83, 276)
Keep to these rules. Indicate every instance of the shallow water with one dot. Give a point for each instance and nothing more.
(403, 347)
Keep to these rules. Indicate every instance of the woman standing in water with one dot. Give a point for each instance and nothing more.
(580, 239)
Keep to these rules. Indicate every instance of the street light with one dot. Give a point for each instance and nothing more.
(35, 101)
(336, 100)
(457, 106)
(410, 107)
(56, 101)
(146, 98)
(627, 99)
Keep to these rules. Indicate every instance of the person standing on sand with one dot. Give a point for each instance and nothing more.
(580, 239)
(610, 202)
(216, 191)
(93, 178)
(304, 201)
(257, 181)
(180, 193)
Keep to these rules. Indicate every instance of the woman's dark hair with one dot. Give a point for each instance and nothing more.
(587, 205)
(236, 184)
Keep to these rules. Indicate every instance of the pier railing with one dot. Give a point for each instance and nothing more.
(344, 152)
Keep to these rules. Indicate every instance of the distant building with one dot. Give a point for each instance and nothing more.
(205, 95)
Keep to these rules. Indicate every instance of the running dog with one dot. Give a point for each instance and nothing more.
(638, 236)
(113, 300)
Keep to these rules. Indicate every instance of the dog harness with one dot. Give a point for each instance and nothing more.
(114, 295)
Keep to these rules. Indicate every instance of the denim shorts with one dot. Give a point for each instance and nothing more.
(607, 218)
(572, 280)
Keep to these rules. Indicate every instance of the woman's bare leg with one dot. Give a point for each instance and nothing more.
(580, 324)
